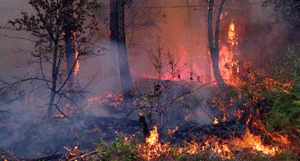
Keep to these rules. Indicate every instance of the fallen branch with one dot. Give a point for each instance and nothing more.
(87, 154)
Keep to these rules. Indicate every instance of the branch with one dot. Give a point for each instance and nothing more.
(185, 94)
(21, 80)
(43, 74)
(61, 111)
(17, 37)
(84, 155)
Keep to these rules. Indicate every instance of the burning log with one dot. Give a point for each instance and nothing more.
(144, 125)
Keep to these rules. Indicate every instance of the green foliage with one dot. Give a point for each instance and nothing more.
(284, 115)
(233, 128)
(116, 150)
(287, 68)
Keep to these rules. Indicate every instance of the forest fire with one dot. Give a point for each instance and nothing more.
(229, 66)
(224, 148)
(157, 83)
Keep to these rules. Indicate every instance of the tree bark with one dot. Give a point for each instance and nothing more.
(143, 122)
(54, 79)
(115, 83)
(125, 77)
(214, 42)
(70, 46)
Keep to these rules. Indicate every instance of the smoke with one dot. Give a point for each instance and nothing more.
(262, 34)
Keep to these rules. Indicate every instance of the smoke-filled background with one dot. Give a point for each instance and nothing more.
(178, 27)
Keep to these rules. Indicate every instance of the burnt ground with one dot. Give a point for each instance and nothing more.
(44, 138)
(50, 141)
(37, 139)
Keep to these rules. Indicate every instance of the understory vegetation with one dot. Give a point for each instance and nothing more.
(269, 105)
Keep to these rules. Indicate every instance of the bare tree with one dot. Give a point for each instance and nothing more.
(53, 26)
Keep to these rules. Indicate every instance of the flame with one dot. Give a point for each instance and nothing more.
(216, 121)
(180, 67)
(153, 149)
(227, 65)
(153, 137)
(231, 34)
(77, 66)
(249, 140)
(171, 132)
(223, 148)
(223, 15)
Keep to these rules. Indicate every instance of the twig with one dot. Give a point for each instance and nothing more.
(84, 155)
(163, 110)
(61, 111)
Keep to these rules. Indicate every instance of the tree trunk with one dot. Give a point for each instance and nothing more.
(125, 76)
(214, 43)
(113, 64)
(53, 87)
(70, 47)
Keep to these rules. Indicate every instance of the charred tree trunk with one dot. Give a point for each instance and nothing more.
(125, 77)
(143, 122)
(70, 46)
(214, 42)
(115, 84)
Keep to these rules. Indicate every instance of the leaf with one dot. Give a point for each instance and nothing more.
(179, 157)
(297, 102)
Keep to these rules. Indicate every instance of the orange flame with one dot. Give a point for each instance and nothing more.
(76, 69)
(226, 63)
(153, 137)
(77, 66)
(216, 121)
(153, 149)
(232, 34)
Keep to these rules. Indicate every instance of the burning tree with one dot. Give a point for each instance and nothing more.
(62, 30)
(214, 41)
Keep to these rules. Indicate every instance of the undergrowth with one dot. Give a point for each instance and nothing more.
(274, 99)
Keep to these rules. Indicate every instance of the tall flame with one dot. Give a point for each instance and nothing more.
(76, 68)
(153, 137)
(232, 34)
(226, 63)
